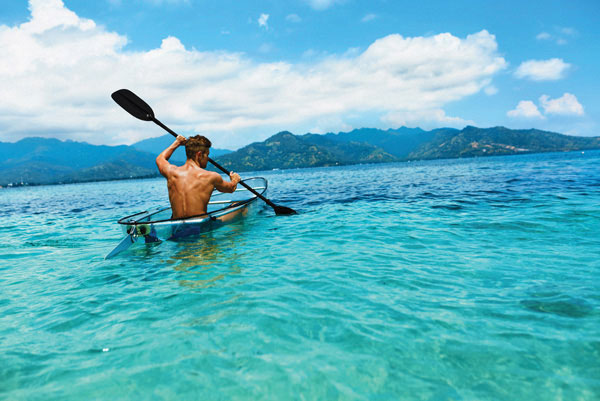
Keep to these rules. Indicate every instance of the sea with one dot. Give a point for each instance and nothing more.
(465, 279)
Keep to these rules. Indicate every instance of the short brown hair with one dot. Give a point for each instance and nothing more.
(195, 144)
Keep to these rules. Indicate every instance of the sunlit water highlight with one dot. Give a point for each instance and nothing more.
(444, 280)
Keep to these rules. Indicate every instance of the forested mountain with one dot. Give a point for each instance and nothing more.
(286, 150)
(47, 161)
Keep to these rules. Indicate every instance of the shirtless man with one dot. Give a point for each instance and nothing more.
(190, 186)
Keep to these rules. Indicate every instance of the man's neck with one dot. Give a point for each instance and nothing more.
(193, 163)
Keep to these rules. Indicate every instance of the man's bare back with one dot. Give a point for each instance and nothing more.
(190, 185)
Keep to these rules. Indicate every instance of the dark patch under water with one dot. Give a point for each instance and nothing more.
(559, 305)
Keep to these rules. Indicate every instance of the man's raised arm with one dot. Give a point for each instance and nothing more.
(162, 160)
(224, 186)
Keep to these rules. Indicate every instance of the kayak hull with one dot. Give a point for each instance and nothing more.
(156, 225)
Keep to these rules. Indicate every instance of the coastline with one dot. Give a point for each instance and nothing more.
(241, 170)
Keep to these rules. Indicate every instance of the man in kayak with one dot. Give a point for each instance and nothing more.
(190, 185)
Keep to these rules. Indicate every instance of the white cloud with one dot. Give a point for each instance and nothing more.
(543, 70)
(262, 21)
(322, 4)
(161, 2)
(59, 69)
(568, 31)
(433, 118)
(330, 124)
(543, 36)
(295, 18)
(560, 35)
(265, 48)
(525, 109)
(565, 105)
(368, 18)
(490, 90)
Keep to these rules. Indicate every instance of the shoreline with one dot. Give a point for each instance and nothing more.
(157, 175)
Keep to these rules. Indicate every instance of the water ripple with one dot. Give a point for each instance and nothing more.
(456, 279)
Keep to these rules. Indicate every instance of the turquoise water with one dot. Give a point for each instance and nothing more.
(444, 280)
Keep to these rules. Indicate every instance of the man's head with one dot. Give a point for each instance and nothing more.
(198, 144)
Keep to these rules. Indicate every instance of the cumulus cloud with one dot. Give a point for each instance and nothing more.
(368, 18)
(59, 70)
(295, 18)
(265, 48)
(567, 31)
(262, 21)
(525, 109)
(543, 36)
(432, 118)
(161, 2)
(321, 4)
(490, 90)
(543, 70)
(560, 35)
(567, 104)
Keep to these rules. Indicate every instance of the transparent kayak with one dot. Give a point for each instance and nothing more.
(157, 225)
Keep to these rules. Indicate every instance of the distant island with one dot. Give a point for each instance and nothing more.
(36, 161)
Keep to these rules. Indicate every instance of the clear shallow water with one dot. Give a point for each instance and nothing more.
(443, 280)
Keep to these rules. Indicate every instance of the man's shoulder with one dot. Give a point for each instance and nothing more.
(211, 175)
(174, 169)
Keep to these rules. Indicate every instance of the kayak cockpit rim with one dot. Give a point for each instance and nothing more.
(231, 205)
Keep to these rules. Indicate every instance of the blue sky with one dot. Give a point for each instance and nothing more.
(240, 71)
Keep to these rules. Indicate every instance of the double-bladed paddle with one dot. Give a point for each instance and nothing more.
(141, 110)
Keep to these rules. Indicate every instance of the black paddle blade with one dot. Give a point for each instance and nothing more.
(133, 104)
(284, 211)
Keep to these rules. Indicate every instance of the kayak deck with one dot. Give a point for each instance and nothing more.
(157, 225)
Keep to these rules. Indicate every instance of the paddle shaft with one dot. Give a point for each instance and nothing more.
(217, 165)
(141, 110)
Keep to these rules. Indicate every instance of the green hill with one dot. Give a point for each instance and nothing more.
(397, 142)
(286, 150)
(47, 161)
(473, 141)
